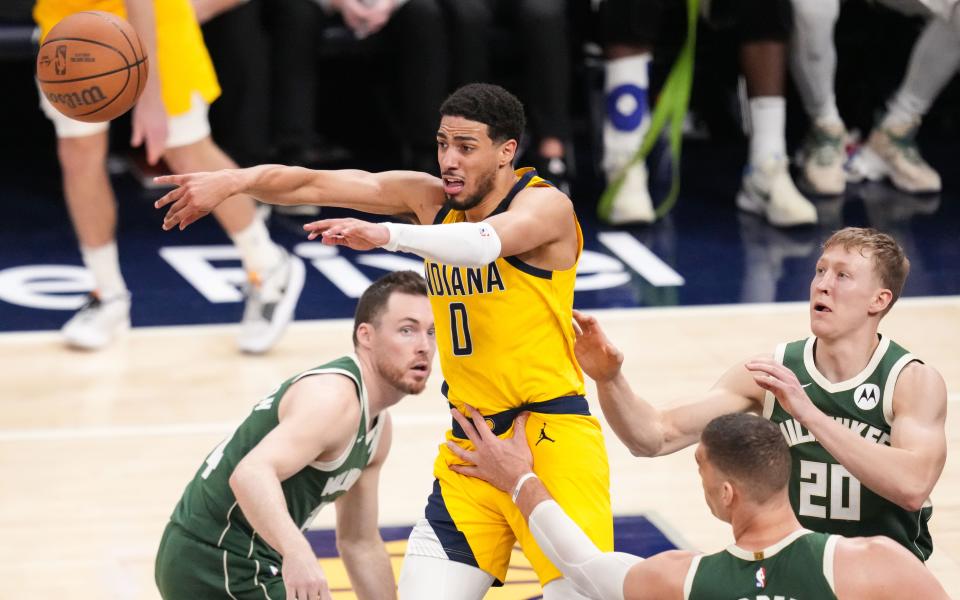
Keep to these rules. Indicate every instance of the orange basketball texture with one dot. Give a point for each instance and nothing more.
(92, 66)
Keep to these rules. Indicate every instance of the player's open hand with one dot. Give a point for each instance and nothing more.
(303, 577)
(782, 383)
(597, 355)
(352, 233)
(499, 462)
(195, 196)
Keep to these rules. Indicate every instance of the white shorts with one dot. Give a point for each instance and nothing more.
(182, 130)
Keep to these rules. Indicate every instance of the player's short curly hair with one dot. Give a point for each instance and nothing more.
(374, 300)
(491, 105)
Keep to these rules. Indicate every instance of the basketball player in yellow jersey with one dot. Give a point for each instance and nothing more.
(171, 120)
(501, 249)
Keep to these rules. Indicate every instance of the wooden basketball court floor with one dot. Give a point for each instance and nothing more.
(95, 448)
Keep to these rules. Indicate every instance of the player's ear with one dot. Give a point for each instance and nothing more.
(880, 301)
(508, 151)
(365, 335)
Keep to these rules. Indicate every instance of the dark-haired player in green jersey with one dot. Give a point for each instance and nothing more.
(320, 437)
(744, 468)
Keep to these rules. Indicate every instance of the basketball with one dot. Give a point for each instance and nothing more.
(92, 66)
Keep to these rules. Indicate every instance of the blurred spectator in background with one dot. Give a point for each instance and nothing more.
(763, 27)
(536, 33)
(410, 34)
(170, 120)
(891, 149)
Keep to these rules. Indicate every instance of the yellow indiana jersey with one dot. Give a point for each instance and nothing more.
(183, 62)
(504, 331)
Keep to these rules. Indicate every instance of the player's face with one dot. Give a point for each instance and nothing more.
(713, 485)
(404, 342)
(468, 161)
(844, 291)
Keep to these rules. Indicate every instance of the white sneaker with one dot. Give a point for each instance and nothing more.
(632, 203)
(892, 152)
(271, 301)
(822, 156)
(768, 190)
(97, 322)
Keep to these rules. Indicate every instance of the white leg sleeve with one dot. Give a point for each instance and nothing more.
(933, 62)
(813, 56)
(458, 244)
(598, 575)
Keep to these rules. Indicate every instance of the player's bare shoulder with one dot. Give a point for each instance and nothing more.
(420, 191)
(660, 576)
(919, 383)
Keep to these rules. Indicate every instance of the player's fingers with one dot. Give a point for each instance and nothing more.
(169, 197)
(468, 471)
(520, 424)
(480, 423)
(170, 179)
(576, 328)
(467, 426)
(462, 453)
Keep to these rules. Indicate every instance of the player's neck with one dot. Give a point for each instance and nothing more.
(840, 358)
(759, 527)
(504, 182)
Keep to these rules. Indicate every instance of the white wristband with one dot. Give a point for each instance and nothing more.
(523, 479)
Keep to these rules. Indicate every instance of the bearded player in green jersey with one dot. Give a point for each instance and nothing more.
(744, 468)
(320, 437)
(863, 417)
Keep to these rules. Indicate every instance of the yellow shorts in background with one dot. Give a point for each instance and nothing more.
(478, 524)
(182, 57)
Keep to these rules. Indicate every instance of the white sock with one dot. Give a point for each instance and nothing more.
(257, 251)
(627, 116)
(813, 57)
(103, 262)
(768, 115)
(933, 62)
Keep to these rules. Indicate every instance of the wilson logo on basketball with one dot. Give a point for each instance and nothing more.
(86, 97)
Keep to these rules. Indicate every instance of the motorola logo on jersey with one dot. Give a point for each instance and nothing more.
(866, 396)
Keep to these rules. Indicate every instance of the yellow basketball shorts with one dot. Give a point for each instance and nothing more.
(478, 524)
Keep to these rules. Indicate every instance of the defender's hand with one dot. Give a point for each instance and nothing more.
(303, 577)
(597, 355)
(499, 462)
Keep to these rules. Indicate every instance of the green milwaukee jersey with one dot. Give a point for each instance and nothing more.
(208, 510)
(798, 567)
(825, 496)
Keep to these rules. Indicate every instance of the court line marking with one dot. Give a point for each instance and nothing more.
(649, 312)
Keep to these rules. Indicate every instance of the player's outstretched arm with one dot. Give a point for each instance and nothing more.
(539, 217)
(318, 417)
(358, 535)
(881, 569)
(644, 429)
(904, 472)
(418, 195)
